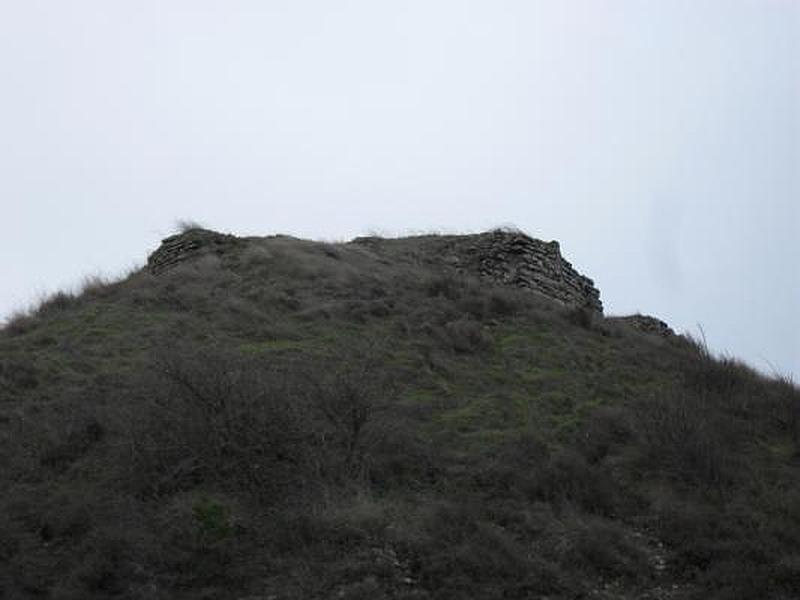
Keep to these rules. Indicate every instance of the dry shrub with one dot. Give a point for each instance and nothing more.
(446, 285)
(19, 323)
(215, 416)
(349, 395)
(466, 336)
(255, 255)
(609, 429)
(55, 303)
(67, 444)
(503, 302)
(685, 436)
(96, 286)
(582, 316)
(600, 547)
(38, 446)
(567, 478)
(464, 552)
(16, 375)
(788, 408)
(726, 377)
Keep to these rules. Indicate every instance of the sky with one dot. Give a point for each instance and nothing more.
(659, 142)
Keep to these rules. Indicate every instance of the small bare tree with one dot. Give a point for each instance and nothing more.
(348, 394)
(221, 417)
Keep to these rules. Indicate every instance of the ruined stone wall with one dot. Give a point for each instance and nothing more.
(646, 324)
(514, 258)
(504, 257)
(177, 248)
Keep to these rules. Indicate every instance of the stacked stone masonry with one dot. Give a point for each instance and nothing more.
(183, 246)
(516, 259)
(647, 324)
(505, 257)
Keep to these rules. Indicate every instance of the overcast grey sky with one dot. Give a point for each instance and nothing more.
(659, 142)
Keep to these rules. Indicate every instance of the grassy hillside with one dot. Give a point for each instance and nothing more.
(300, 420)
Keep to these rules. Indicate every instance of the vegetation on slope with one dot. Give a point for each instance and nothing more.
(301, 420)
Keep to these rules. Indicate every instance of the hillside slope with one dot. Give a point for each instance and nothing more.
(420, 418)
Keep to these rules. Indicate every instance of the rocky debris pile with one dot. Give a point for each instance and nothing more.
(647, 324)
(189, 244)
(513, 258)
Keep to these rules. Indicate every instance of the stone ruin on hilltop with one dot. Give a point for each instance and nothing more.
(505, 257)
(186, 245)
(516, 259)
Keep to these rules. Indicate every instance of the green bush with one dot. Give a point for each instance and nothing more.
(213, 519)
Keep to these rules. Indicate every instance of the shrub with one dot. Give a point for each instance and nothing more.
(65, 445)
(686, 436)
(447, 285)
(217, 416)
(213, 519)
(200, 537)
(214, 416)
(568, 478)
(787, 408)
(467, 336)
(346, 395)
(582, 317)
(19, 323)
(465, 553)
(55, 303)
(95, 286)
(503, 302)
(17, 374)
(399, 457)
(104, 568)
(725, 377)
(608, 429)
(604, 548)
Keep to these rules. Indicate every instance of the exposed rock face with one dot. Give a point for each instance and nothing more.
(647, 324)
(195, 242)
(514, 258)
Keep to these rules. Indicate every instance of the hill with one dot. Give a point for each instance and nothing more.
(431, 417)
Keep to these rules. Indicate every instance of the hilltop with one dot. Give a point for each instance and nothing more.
(430, 417)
